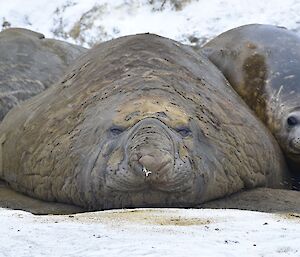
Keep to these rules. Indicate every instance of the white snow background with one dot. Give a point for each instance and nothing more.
(180, 20)
(148, 232)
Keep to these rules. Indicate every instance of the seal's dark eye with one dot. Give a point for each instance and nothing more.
(116, 130)
(184, 131)
(292, 121)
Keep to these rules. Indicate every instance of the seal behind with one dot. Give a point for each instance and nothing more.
(29, 64)
(262, 63)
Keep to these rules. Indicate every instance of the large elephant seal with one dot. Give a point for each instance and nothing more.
(139, 121)
(262, 63)
(30, 63)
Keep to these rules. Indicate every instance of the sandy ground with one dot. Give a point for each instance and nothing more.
(151, 232)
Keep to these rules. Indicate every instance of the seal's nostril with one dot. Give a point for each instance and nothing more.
(148, 161)
(296, 142)
(157, 163)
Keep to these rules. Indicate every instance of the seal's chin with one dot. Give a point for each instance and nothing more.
(171, 184)
(146, 180)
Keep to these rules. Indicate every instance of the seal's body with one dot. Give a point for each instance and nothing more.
(30, 63)
(262, 63)
(139, 121)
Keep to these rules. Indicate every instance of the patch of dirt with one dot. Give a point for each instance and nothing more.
(143, 216)
(290, 216)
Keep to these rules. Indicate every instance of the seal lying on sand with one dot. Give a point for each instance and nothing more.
(29, 64)
(139, 121)
(257, 199)
(262, 63)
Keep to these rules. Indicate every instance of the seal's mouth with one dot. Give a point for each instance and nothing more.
(153, 170)
(294, 146)
(168, 167)
(152, 158)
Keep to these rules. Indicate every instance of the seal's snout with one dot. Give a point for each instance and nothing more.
(293, 132)
(151, 150)
(296, 143)
(154, 163)
(148, 162)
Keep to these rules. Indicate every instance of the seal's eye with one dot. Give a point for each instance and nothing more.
(292, 121)
(116, 130)
(184, 131)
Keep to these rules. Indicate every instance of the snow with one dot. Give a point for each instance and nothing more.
(148, 232)
(151, 232)
(103, 19)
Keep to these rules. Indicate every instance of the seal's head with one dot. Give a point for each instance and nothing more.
(290, 135)
(145, 155)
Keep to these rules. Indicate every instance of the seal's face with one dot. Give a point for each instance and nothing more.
(291, 136)
(146, 155)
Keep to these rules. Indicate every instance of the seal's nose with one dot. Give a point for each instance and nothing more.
(150, 150)
(295, 139)
(153, 163)
(296, 143)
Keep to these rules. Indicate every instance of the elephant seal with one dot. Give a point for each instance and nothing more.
(139, 121)
(262, 63)
(29, 64)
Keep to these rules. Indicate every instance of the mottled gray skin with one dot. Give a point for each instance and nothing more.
(262, 63)
(140, 121)
(29, 64)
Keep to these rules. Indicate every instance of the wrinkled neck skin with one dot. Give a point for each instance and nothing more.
(144, 157)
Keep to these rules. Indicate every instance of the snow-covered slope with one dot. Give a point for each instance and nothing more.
(189, 21)
(151, 232)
